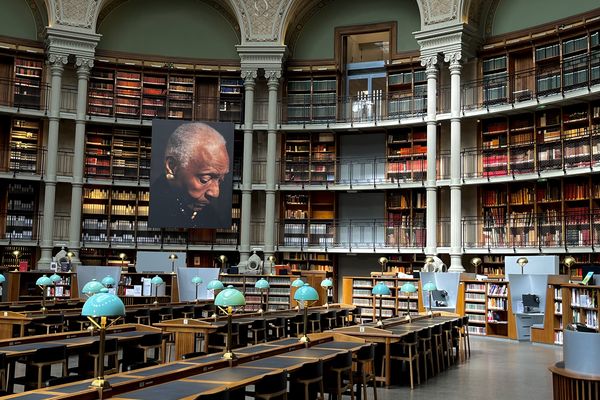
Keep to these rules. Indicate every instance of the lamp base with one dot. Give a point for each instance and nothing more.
(229, 355)
(100, 383)
(379, 323)
(304, 339)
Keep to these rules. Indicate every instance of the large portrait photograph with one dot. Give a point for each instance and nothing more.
(191, 174)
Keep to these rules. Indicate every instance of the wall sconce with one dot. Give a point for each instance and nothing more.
(522, 261)
(383, 261)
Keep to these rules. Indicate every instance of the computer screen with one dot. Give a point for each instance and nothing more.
(531, 301)
(439, 295)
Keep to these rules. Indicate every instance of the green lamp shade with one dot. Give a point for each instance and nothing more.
(429, 287)
(326, 283)
(92, 287)
(157, 280)
(197, 280)
(108, 281)
(306, 293)
(381, 289)
(408, 288)
(230, 297)
(103, 305)
(43, 281)
(262, 283)
(215, 285)
(55, 278)
(298, 283)
(2, 278)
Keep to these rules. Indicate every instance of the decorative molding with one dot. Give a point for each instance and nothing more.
(430, 63)
(438, 11)
(261, 19)
(249, 76)
(262, 55)
(273, 75)
(84, 65)
(491, 15)
(66, 41)
(453, 58)
(57, 62)
(40, 16)
(78, 13)
(459, 38)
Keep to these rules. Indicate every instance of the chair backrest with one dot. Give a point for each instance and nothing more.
(54, 319)
(272, 383)
(465, 320)
(259, 324)
(309, 370)
(314, 316)
(193, 355)
(411, 338)
(425, 333)
(366, 353)
(110, 346)
(221, 395)
(342, 360)
(436, 329)
(62, 380)
(48, 355)
(141, 365)
(151, 339)
(3, 363)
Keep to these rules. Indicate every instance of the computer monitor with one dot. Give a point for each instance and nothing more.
(440, 298)
(531, 302)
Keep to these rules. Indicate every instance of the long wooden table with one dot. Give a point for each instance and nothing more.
(187, 379)
(393, 331)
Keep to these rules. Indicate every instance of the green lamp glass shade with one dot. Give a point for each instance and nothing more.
(262, 283)
(381, 289)
(230, 297)
(408, 288)
(157, 280)
(197, 280)
(55, 278)
(429, 287)
(298, 283)
(108, 281)
(92, 287)
(215, 285)
(306, 293)
(43, 281)
(326, 283)
(2, 278)
(103, 305)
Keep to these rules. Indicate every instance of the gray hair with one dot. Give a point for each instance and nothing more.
(184, 140)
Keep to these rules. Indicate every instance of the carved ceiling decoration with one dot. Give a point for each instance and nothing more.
(261, 19)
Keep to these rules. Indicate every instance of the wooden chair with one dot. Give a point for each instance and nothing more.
(425, 349)
(272, 386)
(448, 346)
(307, 376)
(314, 321)
(406, 351)
(38, 365)
(364, 372)
(3, 372)
(465, 335)
(438, 348)
(276, 327)
(258, 330)
(296, 325)
(338, 376)
(53, 323)
(152, 341)
(111, 352)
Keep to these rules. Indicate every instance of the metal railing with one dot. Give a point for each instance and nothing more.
(14, 94)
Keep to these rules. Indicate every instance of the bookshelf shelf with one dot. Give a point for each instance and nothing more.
(24, 145)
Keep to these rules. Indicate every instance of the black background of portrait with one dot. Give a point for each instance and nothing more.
(218, 214)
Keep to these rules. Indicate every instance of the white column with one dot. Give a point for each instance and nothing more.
(273, 85)
(431, 70)
(57, 63)
(84, 65)
(249, 84)
(455, 183)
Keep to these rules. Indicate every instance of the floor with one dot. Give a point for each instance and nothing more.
(497, 369)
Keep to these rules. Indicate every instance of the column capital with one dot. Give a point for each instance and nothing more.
(273, 77)
(249, 77)
(57, 61)
(430, 63)
(84, 65)
(454, 58)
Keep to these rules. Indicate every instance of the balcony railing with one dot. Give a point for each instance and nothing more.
(14, 94)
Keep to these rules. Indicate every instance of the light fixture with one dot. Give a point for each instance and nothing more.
(430, 287)
(380, 290)
(122, 256)
(298, 283)
(156, 281)
(305, 294)
(173, 257)
(272, 260)
(522, 261)
(226, 301)
(16, 254)
(476, 262)
(569, 261)
(326, 284)
(215, 285)
(43, 282)
(223, 259)
(102, 305)
(92, 287)
(383, 261)
(197, 281)
(108, 281)
(408, 288)
(70, 255)
(428, 261)
(55, 278)
(262, 285)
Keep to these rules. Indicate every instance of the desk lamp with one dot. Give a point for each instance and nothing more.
(430, 287)
(305, 293)
(197, 281)
(43, 282)
(156, 281)
(408, 288)
(297, 283)
(173, 257)
(569, 262)
(55, 278)
(226, 300)
(92, 287)
(476, 262)
(380, 290)
(223, 259)
(383, 261)
(102, 305)
(262, 285)
(326, 284)
(108, 281)
(215, 285)
(522, 261)
(17, 254)
(272, 260)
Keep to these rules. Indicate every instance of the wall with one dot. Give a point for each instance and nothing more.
(178, 28)
(16, 20)
(362, 156)
(316, 41)
(361, 208)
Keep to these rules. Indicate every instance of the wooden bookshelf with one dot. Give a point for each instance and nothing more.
(154, 96)
(522, 144)
(407, 90)
(309, 158)
(406, 217)
(230, 98)
(494, 146)
(21, 206)
(407, 154)
(279, 294)
(547, 61)
(581, 305)
(312, 99)
(22, 286)
(168, 292)
(230, 235)
(28, 82)
(11, 263)
(300, 261)
(180, 97)
(308, 219)
(101, 92)
(495, 80)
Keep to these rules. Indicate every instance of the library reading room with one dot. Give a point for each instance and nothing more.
(388, 199)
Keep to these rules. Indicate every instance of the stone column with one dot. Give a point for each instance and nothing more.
(57, 63)
(84, 65)
(455, 182)
(273, 85)
(431, 70)
(249, 77)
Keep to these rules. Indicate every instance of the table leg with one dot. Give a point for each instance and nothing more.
(388, 363)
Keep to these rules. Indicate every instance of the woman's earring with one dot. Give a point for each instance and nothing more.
(170, 176)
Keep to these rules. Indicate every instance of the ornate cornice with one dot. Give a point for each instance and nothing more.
(67, 41)
(459, 38)
(261, 19)
(261, 55)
